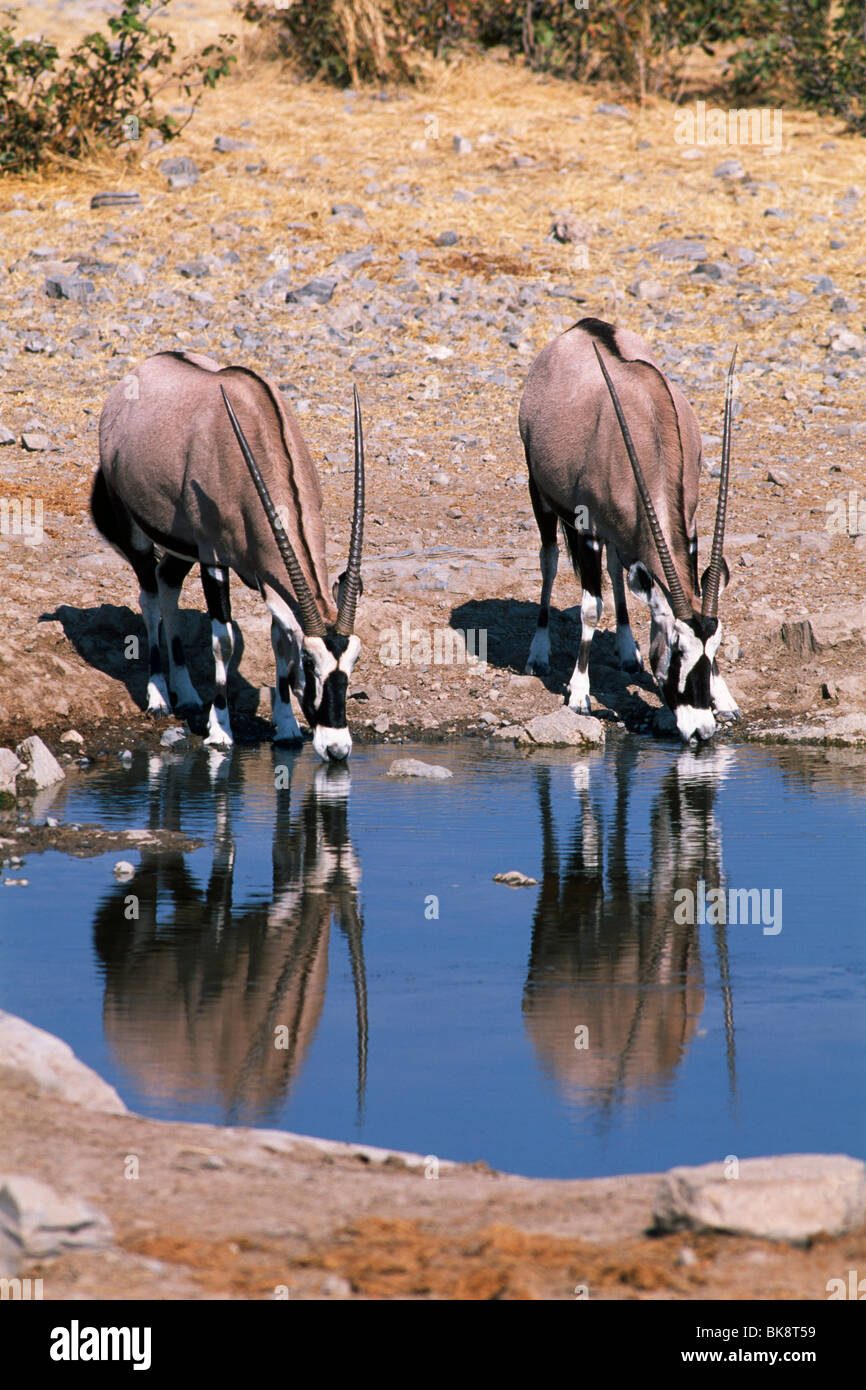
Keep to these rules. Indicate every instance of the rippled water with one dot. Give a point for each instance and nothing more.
(337, 960)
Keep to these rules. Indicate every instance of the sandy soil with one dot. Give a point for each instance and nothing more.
(235, 1213)
(438, 343)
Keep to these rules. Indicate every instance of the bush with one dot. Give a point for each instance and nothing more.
(343, 41)
(813, 50)
(104, 90)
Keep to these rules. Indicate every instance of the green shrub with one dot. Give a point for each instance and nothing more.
(106, 88)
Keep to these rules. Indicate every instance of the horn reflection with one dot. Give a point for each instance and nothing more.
(607, 953)
(218, 992)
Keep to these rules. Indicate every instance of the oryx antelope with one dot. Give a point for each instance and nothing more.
(614, 455)
(177, 474)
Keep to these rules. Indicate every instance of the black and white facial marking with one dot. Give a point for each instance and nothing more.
(682, 657)
(326, 664)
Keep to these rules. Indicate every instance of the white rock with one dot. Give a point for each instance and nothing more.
(72, 736)
(124, 870)
(565, 728)
(41, 768)
(53, 1067)
(412, 767)
(42, 1222)
(792, 1197)
(10, 766)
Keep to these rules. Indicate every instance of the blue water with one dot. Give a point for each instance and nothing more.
(354, 918)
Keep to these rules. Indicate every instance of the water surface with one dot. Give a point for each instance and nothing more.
(337, 960)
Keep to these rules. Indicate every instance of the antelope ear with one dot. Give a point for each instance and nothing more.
(644, 587)
(640, 581)
(337, 588)
(724, 577)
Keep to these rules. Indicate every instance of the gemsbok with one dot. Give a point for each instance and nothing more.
(614, 455)
(177, 474)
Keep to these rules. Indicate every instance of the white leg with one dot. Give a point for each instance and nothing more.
(627, 648)
(538, 661)
(157, 691)
(219, 732)
(578, 686)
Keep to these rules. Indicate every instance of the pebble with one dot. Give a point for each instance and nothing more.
(449, 238)
(515, 879)
(172, 736)
(123, 870)
(181, 171)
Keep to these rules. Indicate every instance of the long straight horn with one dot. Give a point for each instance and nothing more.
(345, 624)
(682, 607)
(710, 601)
(310, 615)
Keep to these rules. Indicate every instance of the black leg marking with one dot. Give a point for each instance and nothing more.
(538, 661)
(585, 552)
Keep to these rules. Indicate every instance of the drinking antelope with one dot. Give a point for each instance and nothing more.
(176, 473)
(579, 444)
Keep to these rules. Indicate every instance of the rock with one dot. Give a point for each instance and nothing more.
(798, 638)
(132, 274)
(335, 1286)
(843, 340)
(316, 291)
(41, 768)
(447, 239)
(647, 289)
(515, 879)
(42, 1222)
(514, 732)
(681, 249)
(50, 1065)
(353, 260)
(348, 210)
(608, 108)
(567, 227)
(729, 169)
(181, 172)
(194, 270)
(461, 145)
(123, 870)
(225, 144)
(10, 766)
(382, 724)
(792, 1197)
(412, 767)
(69, 287)
(172, 736)
(565, 728)
(779, 477)
(6, 436)
(72, 736)
(849, 728)
(116, 199)
(35, 442)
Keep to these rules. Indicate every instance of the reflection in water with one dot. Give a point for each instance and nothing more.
(205, 997)
(607, 954)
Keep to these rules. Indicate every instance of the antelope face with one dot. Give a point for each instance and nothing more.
(682, 657)
(327, 663)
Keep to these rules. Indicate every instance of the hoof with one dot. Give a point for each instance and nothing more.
(292, 738)
(536, 668)
(580, 704)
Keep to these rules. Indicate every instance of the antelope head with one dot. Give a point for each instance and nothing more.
(328, 653)
(687, 631)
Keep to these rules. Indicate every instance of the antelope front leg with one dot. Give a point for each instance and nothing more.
(627, 648)
(287, 658)
(538, 661)
(586, 557)
(216, 591)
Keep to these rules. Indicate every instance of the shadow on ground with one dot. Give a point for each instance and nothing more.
(113, 639)
(510, 624)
